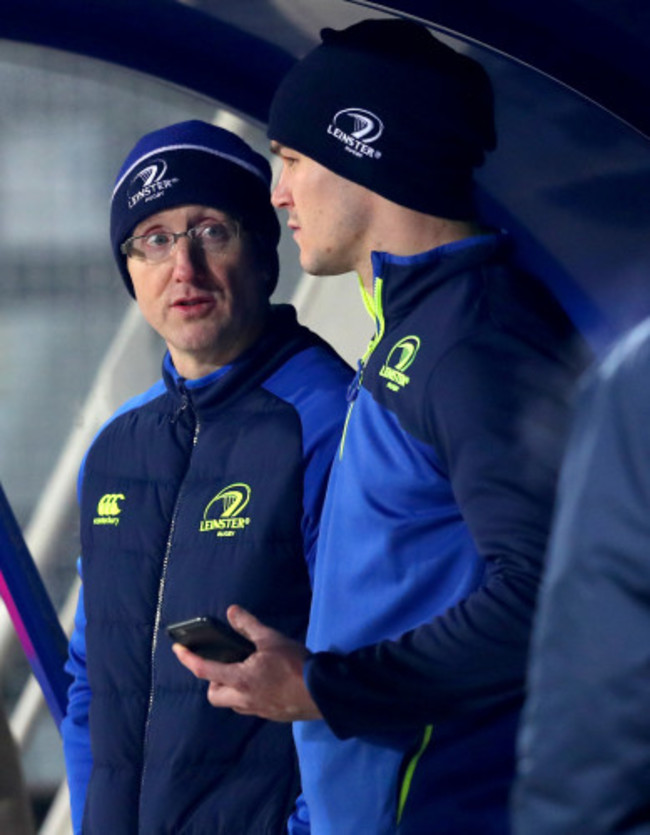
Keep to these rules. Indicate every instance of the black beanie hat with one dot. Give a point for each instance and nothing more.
(198, 163)
(389, 106)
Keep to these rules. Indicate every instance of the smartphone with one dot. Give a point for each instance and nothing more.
(211, 638)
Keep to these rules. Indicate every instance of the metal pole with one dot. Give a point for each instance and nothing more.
(32, 613)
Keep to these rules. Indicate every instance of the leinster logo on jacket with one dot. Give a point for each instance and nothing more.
(400, 358)
(223, 513)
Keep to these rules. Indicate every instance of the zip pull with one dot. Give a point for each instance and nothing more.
(355, 385)
(185, 402)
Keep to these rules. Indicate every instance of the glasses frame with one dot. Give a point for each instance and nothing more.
(192, 234)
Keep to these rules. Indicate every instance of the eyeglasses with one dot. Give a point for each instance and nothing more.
(212, 237)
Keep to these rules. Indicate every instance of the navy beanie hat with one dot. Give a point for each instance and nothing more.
(198, 163)
(389, 106)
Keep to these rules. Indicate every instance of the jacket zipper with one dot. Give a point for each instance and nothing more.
(375, 309)
(185, 404)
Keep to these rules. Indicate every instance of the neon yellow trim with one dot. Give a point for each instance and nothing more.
(410, 771)
(366, 298)
(375, 309)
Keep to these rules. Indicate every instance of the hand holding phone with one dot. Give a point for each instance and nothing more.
(212, 639)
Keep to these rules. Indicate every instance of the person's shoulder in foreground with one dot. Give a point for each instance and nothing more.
(585, 740)
(205, 489)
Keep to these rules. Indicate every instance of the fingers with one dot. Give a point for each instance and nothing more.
(201, 667)
(248, 625)
(227, 688)
(221, 693)
(268, 684)
(229, 697)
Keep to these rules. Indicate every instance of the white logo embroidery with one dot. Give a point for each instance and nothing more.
(152, 173)
(357, 129)
(149, 183)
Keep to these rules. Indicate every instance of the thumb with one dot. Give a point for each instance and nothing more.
(246, 624)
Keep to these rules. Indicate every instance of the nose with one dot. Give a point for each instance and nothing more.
(281, 195)
(186, 266)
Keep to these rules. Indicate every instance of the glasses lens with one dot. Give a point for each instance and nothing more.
(213, 237)
(157, 246)
(154, 247)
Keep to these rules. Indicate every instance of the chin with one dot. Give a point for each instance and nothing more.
(314, 267)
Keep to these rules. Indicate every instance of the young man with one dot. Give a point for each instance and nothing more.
(205, 489)
(439, 502)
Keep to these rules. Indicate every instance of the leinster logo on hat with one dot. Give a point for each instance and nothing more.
(365, 125)
(149, 183)
(357, 129)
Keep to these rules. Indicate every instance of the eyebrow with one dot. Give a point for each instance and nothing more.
(276, 147)
(153, 221)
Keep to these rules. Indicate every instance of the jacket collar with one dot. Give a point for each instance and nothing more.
(282, 338)
(401, 282)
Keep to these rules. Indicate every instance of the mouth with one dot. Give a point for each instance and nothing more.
(195, 303)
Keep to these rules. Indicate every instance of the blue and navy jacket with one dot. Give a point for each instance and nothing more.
(432, 539)
(196, 495)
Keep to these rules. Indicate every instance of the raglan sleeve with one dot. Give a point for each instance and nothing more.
(497, 418)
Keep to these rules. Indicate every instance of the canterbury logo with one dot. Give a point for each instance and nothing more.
(108, 509)
(223, 513)
(357, 129)
(401, 357)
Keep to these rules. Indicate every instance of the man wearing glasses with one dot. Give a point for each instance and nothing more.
(203, 490)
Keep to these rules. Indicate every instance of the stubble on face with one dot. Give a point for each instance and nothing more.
(331, 217)
(339, 242)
